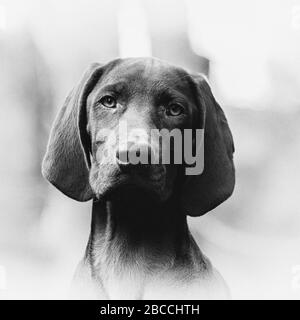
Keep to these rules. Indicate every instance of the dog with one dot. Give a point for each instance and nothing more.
(140, 246)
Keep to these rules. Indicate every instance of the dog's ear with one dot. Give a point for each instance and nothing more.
(202, 193)
(67, 160)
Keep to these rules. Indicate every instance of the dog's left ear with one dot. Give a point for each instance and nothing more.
(66, 163)
(202, 193)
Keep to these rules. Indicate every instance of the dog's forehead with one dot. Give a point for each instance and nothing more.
(147, 72)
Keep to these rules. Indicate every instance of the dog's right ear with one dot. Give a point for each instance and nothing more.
(67, 160)
(202, 193)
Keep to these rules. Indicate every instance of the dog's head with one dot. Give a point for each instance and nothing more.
(108, 136)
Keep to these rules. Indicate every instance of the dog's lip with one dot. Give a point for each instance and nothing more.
(125, 181)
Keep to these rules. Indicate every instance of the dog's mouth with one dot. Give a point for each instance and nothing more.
(153, 187)
(132, 191)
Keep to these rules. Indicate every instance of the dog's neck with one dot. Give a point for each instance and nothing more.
(138, 242)
(142, 232)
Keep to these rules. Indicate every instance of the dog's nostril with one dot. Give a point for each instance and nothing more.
(139, 154)
(149, 155)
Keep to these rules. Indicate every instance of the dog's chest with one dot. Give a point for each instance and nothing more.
(125, 286)
(135, 283)
(140, 285)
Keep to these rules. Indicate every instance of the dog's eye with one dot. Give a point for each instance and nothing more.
(175, 110)
(108, 101)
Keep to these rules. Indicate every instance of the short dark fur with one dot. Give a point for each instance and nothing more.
(143, 210)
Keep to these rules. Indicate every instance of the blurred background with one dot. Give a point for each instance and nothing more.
(250, 50)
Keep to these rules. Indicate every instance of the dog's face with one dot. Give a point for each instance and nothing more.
(132, 100)
(110, 116)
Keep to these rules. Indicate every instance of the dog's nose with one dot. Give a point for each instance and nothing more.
(135, 154)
